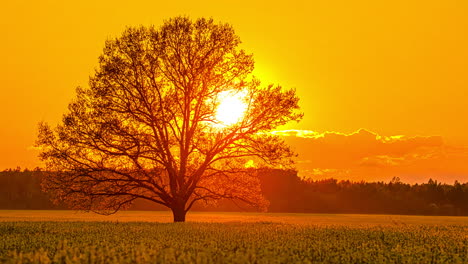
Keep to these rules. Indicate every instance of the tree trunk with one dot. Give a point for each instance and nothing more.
(179, 213)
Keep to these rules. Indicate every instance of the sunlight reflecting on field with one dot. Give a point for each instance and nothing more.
(287, 218)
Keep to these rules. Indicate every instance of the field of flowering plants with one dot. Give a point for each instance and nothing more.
(26, 237)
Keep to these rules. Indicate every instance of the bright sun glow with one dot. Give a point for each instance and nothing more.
(231, 108)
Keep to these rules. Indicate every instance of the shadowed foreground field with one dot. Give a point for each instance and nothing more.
(68, 237)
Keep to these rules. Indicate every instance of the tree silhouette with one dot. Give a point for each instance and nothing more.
(146, 127)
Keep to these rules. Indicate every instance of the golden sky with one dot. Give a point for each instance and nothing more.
(389, 67)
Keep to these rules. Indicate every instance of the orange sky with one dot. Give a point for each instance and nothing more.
(390, 67)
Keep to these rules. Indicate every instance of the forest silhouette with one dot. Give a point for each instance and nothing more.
(286, 192)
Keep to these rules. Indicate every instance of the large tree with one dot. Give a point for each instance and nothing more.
(147, 126)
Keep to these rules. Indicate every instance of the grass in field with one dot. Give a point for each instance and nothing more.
(238, 241)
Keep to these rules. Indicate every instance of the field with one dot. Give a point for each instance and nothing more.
(147, 237)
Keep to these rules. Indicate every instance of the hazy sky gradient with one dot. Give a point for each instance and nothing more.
(391, 67)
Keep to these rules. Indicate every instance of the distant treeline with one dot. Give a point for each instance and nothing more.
(286, 193)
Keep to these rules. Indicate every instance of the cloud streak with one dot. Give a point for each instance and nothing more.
(365, 155)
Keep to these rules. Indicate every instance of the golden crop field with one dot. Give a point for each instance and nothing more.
(148, 237)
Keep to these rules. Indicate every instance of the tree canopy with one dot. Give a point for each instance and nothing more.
(146, 127)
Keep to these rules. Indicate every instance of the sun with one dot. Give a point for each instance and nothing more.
(231, 108)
